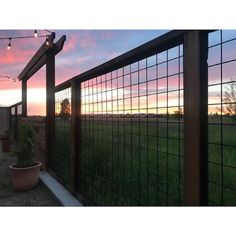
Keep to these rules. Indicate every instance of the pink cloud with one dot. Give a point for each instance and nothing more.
(85, 41)
(70, 44)
(15, 56)
(66, 73)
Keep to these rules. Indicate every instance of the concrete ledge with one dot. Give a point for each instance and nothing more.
(61, 194)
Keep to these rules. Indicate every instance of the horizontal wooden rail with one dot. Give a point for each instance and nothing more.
(157, 45)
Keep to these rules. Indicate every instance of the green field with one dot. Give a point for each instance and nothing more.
(132, 162)
(62, 153)
(222, 161)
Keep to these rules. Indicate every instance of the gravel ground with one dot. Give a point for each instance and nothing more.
(39, 196)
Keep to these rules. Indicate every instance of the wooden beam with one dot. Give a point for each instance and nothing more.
(58, 46)
(159, 44)
(24, 98)
(50, 107)
(41, 62)
(195, 118)
(39, 59)
(37, 56)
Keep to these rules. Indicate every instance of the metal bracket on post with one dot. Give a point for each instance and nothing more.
(195, 118)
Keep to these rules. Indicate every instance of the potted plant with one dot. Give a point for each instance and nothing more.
(6, 142)
(25, 171)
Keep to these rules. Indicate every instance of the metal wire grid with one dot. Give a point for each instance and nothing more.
(221, 121)
(18, 118)
(13, 122)
(61, 160)
(13, 111)
(19, 110)
(132, 133)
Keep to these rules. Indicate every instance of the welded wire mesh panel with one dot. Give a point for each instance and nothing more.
(19, 110)
(13, 122)
(132, 133)
(62, 151)
(222, 117)
(18, 119)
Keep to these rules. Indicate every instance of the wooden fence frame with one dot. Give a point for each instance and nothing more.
(195, 46)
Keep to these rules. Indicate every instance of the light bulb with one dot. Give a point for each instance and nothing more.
(47, 42)
(9, 44)
(35, 34)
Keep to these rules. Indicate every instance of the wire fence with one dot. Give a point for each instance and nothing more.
(119, 128)
(62, 139)
(132, 133)
(221, 117)
(15, 116)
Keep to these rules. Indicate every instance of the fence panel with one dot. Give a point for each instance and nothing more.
(18, 118)
(15, 116)
(132, 133)
(13, 122)
(60, 163)
(221, 117)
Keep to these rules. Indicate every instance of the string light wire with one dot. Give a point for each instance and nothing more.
(35, 35)
(7, 78)
(4, 78)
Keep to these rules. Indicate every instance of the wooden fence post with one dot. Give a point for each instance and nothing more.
(16, 122)
(50, 106)
(195, 118)
(24, 98)
(75, 133)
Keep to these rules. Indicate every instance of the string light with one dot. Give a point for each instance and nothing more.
(35, 34)
(7, 78)
(47, 41)
(9, 44)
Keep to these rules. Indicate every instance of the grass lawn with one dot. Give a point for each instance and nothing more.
(61, 160)
(127, 162)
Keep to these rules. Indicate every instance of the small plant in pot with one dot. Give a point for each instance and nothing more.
(25, 171)
(6, 142)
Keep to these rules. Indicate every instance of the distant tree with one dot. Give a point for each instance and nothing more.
(230, 100)
(65, 109)
(178, 114)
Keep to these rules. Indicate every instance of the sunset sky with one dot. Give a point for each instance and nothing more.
(85, 49)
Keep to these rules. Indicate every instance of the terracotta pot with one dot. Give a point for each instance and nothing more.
(26, 178)
(6, 145)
